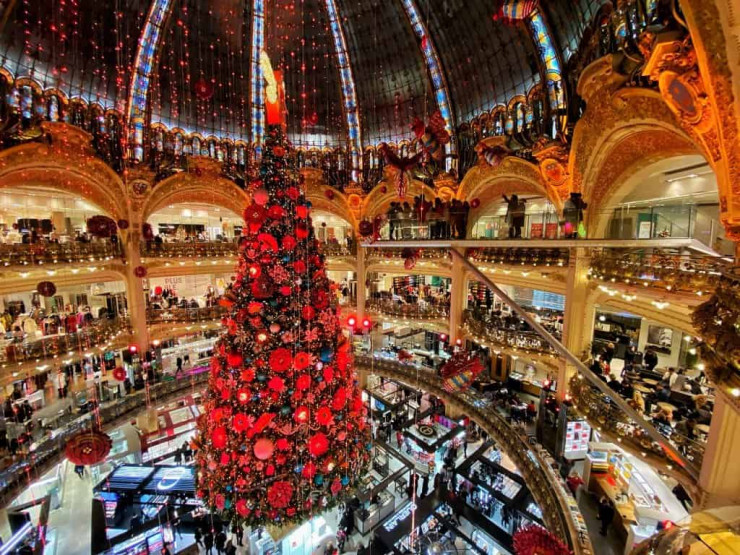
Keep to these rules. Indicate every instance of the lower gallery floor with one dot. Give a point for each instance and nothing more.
(469, 495)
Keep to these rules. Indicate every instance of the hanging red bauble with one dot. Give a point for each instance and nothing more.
(88, 447)
(140, 271)
(119, 374)
(46, 288)
(123, 224)
(329, 194)
(475, 203)
(101, 226)
(263, 449)
(203, 89)
(314, 119)
(383, 189)
(146, 231)
(366, 228)
(157, 290)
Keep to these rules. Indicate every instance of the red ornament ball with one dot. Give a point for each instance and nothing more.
(140, 271)
(329, 194)
(260, 196)
(123, 224)
(119, 374)
(475, 203)
(263, 449)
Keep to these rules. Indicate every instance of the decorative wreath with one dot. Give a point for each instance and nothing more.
(46, 289)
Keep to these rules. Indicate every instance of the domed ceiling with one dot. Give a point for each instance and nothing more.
(404, 58)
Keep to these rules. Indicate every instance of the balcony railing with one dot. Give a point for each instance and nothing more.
(479, 325)
(200, 314)
(605, 413)
(86, 338)
(559, 509)
(670, 272)
(337, 250)
(53, 253)
(31, 466)
(208, 249)
(415, 311)
(521, 257)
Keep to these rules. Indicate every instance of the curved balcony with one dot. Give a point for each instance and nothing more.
(436, 255)
(86, 338)
(416, 311)
(605, 414)
(200, 314)
(669, 272)
(208, 249)
(31, 466)
(521, 257)
(559, 509)
(526, 341)
(57, 253)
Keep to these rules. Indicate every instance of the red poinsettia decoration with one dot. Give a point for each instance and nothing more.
(318, 445)
(281, 359)
(279, 494)
(88, 447)
(119, 374)
(254, 215)
(535, 540)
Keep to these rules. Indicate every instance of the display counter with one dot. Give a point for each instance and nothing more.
(367, 518)
(642, 499)
(526, 384)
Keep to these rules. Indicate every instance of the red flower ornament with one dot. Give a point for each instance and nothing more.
(280, 494)
(281, 359)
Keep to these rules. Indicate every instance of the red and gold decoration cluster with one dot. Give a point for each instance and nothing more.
(535, 540)
(284, 433)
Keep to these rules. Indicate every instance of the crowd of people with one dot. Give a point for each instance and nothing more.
(439, 219)
(675, 403)
(435, 220)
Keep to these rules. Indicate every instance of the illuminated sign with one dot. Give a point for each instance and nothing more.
(399, 516)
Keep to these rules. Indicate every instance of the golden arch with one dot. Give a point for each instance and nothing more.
(377, 202)
(186, 188)
(624, 154)
(514, 175)
(62, 167)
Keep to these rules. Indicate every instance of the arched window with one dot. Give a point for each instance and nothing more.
(26, 103)
(52, 109)
(178, 144)
(241, 155)
(195, 146)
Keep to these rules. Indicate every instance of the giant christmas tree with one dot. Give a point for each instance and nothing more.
(283, 435)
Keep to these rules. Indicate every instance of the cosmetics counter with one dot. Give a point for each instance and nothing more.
(390, 472)
(433, 529)
(496, 494)
(641, 497)
(133, 495)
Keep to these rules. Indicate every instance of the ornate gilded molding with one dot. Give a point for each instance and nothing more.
(65, 161)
